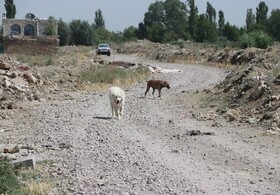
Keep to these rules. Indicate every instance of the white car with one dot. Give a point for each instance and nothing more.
(103, 49)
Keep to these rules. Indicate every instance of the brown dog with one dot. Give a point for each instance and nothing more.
(156, 84)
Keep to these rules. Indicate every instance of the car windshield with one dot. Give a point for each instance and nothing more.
(103, 45)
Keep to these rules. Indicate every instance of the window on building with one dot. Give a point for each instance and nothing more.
(15, 29)
(29, 30)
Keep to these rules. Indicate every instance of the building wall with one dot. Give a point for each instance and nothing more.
(39, 26)
(43, 45)
(22, 43)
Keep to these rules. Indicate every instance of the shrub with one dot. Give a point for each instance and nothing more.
(246, 41)
(262, 40)
(8, 177)
(257, 39)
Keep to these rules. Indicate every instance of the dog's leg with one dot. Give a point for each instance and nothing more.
(112, 111)
(121, 111)
(117, 114)
(153, 92)
(148, 88)
(159, 92)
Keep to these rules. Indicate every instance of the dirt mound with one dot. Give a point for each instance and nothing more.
(19, 82)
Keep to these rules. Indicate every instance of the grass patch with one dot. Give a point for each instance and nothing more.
(65, 56)
(40, 60)
(99, 77)
(16, 181)
(9, 183)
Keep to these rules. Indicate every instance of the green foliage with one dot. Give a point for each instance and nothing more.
(154, 22)
(250, 20)
(231, 32)
(261, 14)
(165, 21)
(193, 18)
(63, 31)
(175, 18)
(155, 33)
(130, 34)
(8, 177)
(51, 28)
(81, 33)
(210, 13)
(221, 22)
(209, 33)
(273, 24)
(262, 39)
(99, 20)
(169, 21)
(101, 35)
(10, 9)
(257, 39)
(246, 41)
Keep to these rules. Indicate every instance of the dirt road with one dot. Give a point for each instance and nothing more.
(158, 148)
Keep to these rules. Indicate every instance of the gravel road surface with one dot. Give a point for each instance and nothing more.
(159, 147)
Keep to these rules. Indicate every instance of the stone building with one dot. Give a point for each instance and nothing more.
(27, 36)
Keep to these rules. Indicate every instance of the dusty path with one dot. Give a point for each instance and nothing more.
(150, 150)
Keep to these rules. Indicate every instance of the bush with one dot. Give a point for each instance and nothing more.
(257, 39)
(246, 41)
(8, 177)
(262, 40)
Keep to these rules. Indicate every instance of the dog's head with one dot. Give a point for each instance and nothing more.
(166, 84)
(117, 99)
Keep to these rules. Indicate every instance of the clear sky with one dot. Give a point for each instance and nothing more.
(120, 14)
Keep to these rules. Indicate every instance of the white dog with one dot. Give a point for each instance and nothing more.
(117, 100)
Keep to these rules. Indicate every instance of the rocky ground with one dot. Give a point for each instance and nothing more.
(214, 132)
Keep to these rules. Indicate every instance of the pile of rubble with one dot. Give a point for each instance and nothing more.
(253, 89)
(18, 82)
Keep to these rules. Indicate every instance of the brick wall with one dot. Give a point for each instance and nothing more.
(36, 46)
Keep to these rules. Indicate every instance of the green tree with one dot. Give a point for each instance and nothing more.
(10, 9)
(193, 18)
(231, 32)
(175, 19)
(51, 28)
(250, 20)
(207, 30)
(99, 20)
(210, 13)
(261, 14)
(155, 33)
(141, 31)
(154, 22)
(273, 24)
(221, 22)
(130, 33)
(103, 35)
(63, 31)
(81, 33)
